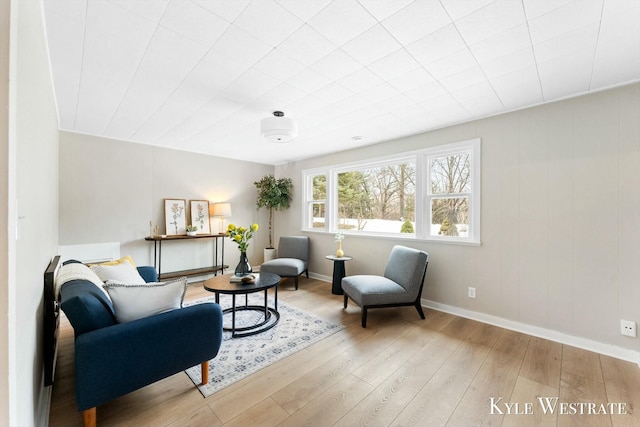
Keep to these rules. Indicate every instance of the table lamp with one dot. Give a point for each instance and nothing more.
(221, 210)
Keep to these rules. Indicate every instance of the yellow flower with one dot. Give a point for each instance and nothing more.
(231, 227)
(242, 229)
(254, 227)
(237, 238)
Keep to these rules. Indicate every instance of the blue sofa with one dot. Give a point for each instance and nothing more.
(113, 359)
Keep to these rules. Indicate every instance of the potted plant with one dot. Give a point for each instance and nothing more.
(191, 230)
(273, 194)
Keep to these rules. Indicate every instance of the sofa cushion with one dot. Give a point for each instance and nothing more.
(123, 273)
(135, 301)
(86, 306)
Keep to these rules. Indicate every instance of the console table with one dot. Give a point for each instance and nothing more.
(210, 269)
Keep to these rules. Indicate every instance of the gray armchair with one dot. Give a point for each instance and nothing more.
(401, 284)
(293, 258)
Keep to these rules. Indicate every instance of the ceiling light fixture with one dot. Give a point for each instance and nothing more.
(279, 128)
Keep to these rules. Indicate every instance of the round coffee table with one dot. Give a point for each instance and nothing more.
(265, 281)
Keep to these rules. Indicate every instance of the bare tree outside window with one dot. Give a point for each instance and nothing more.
(377, 199)
(450, 187)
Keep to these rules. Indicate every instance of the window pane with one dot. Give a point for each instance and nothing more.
(451, 174)
(319, 187)
(378, 199)
(317, 215)
(450, 216)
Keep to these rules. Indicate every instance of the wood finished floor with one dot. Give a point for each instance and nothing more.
(400, 370)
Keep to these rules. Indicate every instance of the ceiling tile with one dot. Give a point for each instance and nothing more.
(241, 46)
(452, 64)
(616, 23)
(268, 21)
(304, 10)
(491, 20)
(501, 44)
(279, 65)
(581, 39)
(228, 10)
(426, 92)
(332, 93)
(309, 80)
(460, 8)
(342, 21)
(383, 9)
(194, 22)
(394, 65)
(436, 46)
(360, 80)
(336, 65)
(307, 46)
(464, 78)
(616, 61)
(373, 44)
(537, 8)
(519, 88)
(446, 108)
(170, 52)
(509, 63)
(411, 79)
(565, 19)
(149, 9)
(419, 19)
(560, 77)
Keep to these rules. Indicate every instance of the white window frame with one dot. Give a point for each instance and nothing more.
(421, 159)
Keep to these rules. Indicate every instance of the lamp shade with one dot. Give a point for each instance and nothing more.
(221, 210)
(279, 128)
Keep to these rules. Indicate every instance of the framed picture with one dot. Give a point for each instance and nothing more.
(200, 215)
(175, 216)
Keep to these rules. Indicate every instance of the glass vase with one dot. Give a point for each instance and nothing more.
(243, 268)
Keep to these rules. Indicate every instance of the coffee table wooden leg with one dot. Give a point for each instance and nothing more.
(204, 367)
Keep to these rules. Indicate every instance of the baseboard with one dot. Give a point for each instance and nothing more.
(321, 277)
(583, 343)
(41, 417)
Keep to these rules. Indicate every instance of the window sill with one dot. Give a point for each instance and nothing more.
(396, 237)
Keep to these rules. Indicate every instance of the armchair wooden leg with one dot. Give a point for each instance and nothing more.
(364, 317)
(296, 279)
(204, 366)
(345, 300)
(419, 308)
(89, 417)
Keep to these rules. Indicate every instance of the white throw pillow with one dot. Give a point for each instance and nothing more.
(122, 273)
(131, 302)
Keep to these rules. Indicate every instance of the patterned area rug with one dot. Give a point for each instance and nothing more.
(241, 357)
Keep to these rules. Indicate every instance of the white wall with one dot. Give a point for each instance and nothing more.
(5, 13)
(110, 190)
(30, 196)
(560, 218)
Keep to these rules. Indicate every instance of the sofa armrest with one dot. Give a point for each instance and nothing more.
(148, 273)
(118, 359)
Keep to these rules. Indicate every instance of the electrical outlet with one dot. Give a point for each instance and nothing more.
(471, 292)
(628, 328)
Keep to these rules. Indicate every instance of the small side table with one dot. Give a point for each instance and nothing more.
(338, 273)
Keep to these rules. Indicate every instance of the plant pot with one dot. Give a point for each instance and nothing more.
(191, 233)
(270, 253)
(243, 268)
